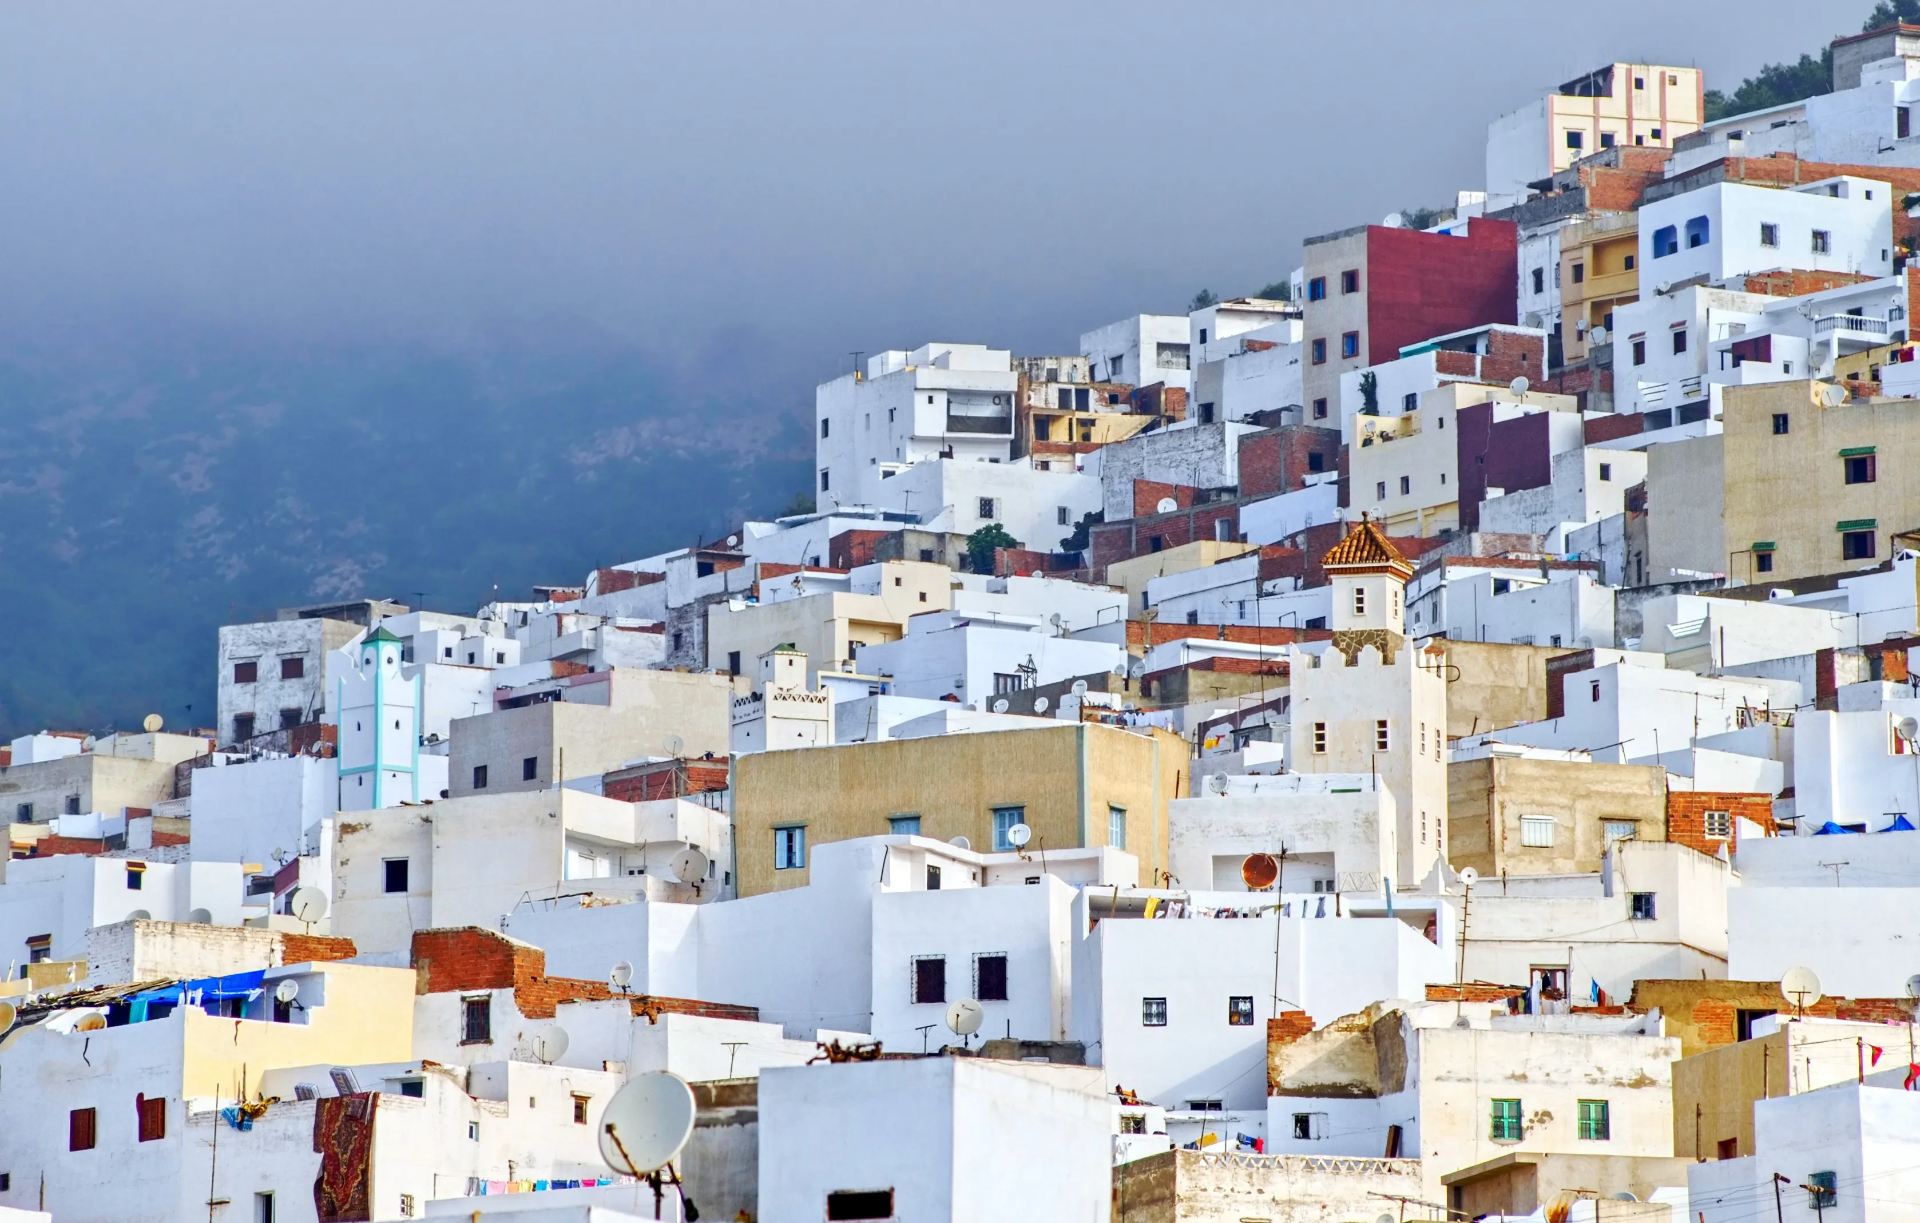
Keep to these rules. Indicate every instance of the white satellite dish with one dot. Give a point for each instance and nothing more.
(1801, 987)
(1468, 876)
(1663, 288)
(1000, 706)
(91, 1023)
(6, 1015)
(1079, 687)
(551, 1045)
(307, 904)
(1166, 505)
(1598, 335)
(152, 723)
(646, 1123)
(676, 746)
(200, 917)
(733, 541)
(1394, 220)
(620, 976)
(965, 1016)
(1039, 704)
(1832, 396)
(1218, 783)
(1019, 835)
(1907, 728)
(1519, 386)
(1913, 988)
(960, 843)
(139, 915)
(286, 991)
(690, 865)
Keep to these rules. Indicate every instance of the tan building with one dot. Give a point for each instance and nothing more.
(1614, 106)
(1597, 276)
(1548, 817)
(1493, 685)
(1074, 785)
(117, 772)
(1133, 574)
(1803, 481)
(829, 626)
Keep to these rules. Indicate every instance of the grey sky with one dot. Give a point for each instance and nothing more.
(822, 177)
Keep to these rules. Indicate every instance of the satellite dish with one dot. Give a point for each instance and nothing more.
(965, 1016)
(6, 1015)
(1039, 704)
(1079, 687)
(1259, 872)
(201, 917)
(307, 904)
(1000, 706)
(139, 915)
(1384, 1219)
(90, 1023)
(1468, 876)
(620, 975)
(1166, 505)
(1219, 782)
(676, 746)
(1019, 835)
(1913, 987)
(1624, 1196)
(1832, 396)
(733, 541)
(960, 843)
(1908, 727)
(287, 990)
(1801, 987)
(1663, 288)
(690, 865)
(551, 1045)
(1394, 220)
(1520, 385)
(152, 723)
(1598, 335)
(646, 1123)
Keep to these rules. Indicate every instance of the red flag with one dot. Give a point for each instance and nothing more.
(1877, 1051)
(1913, 1076)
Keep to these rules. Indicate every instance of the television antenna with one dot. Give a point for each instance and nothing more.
(1218, 783)
(964, 1017)
(307, 904)
(551, 1045)
(140, 915)
(1079, 687)
(620, 976)
(1019, 835)
(1519, 386)
(1832, 396)
(1913, 987)
(1802, 987)
(645, 1126)
(1598, 335)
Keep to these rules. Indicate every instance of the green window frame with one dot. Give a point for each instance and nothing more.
(1505, 1121)
(1595, 1121)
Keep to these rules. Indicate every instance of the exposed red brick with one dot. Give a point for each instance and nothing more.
(54, 844)
(315, 949)
(472, 958)
(660, 779)
(850, 549)
(1473, 991)
(1686, 817)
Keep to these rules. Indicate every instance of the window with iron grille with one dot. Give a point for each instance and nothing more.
(929, 979)
(476, 1020)
(1153, 1012)
(1717, 824)
(1240, 1011)
(990, 977)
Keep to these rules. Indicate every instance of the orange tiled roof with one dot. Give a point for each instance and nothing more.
(1366, 548)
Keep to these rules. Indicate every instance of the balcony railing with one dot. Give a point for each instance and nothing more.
(1851, 322)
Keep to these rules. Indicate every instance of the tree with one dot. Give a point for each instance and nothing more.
(1279, 290)
(1777, 85)
(1202, 300)
(981, 543)
(1369, 394)
(1424, 218)
(802, 503)
(1885, 14)
(1082, 532)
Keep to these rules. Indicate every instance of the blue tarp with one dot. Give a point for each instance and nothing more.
(1899, 825)
(207, 993)
(1829, 829)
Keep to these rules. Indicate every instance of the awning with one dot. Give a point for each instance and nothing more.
(206, 993)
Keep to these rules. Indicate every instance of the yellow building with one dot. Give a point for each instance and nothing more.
(1075, 785)
(829, 626)
(1597, 276)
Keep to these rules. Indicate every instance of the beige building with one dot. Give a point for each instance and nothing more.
(1075, 785)
(1494, 685)
(1714, 1092)
(1597, 276)
(829, 626)
(1803, 481)
(1615, 105)
(115, 773)
(1133, 574)
(622, 716)
(1510, 816)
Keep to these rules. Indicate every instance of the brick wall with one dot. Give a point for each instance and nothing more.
(853, 548)
(607, 581)
(1282, 1030)
(1686, 817)
(1473, 991)
(665, 779)
(1278, 460)
(314, 948)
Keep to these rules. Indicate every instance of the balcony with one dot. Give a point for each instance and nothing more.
(1853, 332)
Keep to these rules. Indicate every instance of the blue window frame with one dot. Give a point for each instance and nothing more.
(1317, 289)
(1666, 240)
(789, 848)
(1004, 818)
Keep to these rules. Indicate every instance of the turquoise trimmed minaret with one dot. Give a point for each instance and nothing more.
(379, 748)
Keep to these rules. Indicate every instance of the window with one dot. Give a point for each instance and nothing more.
(1380, 736)
(1606, 140)
(1619, 830)
(1679, 340)
(1536, 831)
(1350, 344)
(1539, 280)
(1579, 273)
(826, 480)
(1308, 1127)
(1626, 263)
(933, 878)
(1133, 1123)
(1319, 405)
(136, 871)
(39, 948)
(23, 813)
(1316, 461)
(1606, 472)
(1666, 240)
(1360, 602)
(1576, 140)
(1406, 485)
(290, 718)
(1902, 122)
(1763, 562)
(823, 427)
(1350, 281)
(580, 1109)
(1697, 231)
(530, 768)
(1006, 681)
(246, 672)
(1822, 241)
(904, 825)
(789, 848)
(1117, 827)
(860, 1204)
(1782, 423)
(1240, 1011)
(1319, 352)
(986, 507)
(1639, 352)
(406, 1206)
(417, 1088)
(1206, 413)
(990, 977)
(1856, 545)
(1203, 335)
(476, 1020)
(1642, 905)
(1206, 1106)
(293, 668)
(152, 1116)
(929, 979)
(1506, 1121)
(1410, 402)
(1063, 516)
(1317, 289)
(81, 1131)
(1594, 1125)
(393, 873)
(1153, 1012)
(1860, 468)
(1769, 234)
(1380, 491)
(1004, 818)
(263, 1208)
(1823, 1190)
(479, 776)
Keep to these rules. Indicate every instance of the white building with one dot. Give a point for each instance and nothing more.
(1722, 230)
(1841, 905)
(1241, 590)
(1143, 349)
(273, 673)
(781, 711)
(380, 763)
(1037, 507)
(47, 905)
(938, 401)
(978, 659)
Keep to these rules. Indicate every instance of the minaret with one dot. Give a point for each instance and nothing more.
(1372, 703)
(379, 747)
